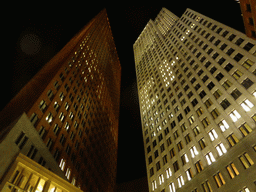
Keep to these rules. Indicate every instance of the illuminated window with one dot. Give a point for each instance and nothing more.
(49, 117)
(193, 151)
(247, 105)
(221, 149)
(62, 116)
(184, 159)
(234, 115)
(206, 186)
(246, 160)
(68, 172)
(42, 105)
(40, 185)
(245, 129)
(172, 187)
(210, 158)
(213, 135)
(154, 185)
(62, 164)
(168, 173)
(180, 181)
(189, 174)
(161, 179)
(223, 125)
(232, 170)
(202, 143)
(205, 122)
(199, 166)
(219, 179)
(232, 140)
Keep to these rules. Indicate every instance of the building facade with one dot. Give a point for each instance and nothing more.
(27, 175)
(197, 88)
(72, 105)
(248, 9)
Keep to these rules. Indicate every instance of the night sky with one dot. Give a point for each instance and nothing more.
(33, 34)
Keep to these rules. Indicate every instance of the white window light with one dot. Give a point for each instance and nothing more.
(223, 125)
(210, 158)
(221, 149)
(254, 94)
(188, 175)
(180, 181)
(172, 187)
(155, 185)
(161, 179)
(186, 158)
(168, 173)
(68, 173)
(235, 116)
(193, 151)
(213, 135)
(62, 164)
(247, 105)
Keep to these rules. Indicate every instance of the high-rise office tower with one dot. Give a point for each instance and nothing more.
(66, 117)
(248, 9)
(197, 87)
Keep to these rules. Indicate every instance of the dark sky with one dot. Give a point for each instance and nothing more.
(53, 27)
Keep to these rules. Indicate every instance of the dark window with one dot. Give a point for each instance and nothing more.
(238, 57)
(230, 51)
(176, 166)
(202, 94)
(248, 46)
(248, 8)
(173, 124)
(180, 117)
(194, 102)
(187, 110)
(228, 67)
(207, 64)
(205, 78)
(209, 51)
(190, 94)
(156, 153)
(239, 41)
(224, 34)
(221, 61)
(231, 37)
(197, 86)
(193, 80)
(213, 69)
(219, 76)
(210, 85)
(225, 104)
(200, 72)
(223, 46)
(247, 83)
(215, 55)
(219, 30)
(217, 42)
(236, 93)
(251, 21)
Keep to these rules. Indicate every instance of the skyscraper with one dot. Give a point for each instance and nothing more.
(248, 9)
(197, 88)
(66, 117)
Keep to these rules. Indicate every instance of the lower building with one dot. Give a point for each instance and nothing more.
(25, 174)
